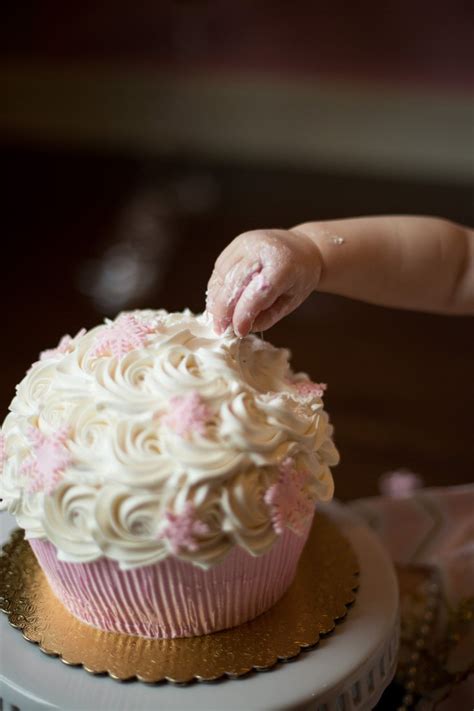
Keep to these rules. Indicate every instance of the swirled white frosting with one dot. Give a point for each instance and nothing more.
(168, 446)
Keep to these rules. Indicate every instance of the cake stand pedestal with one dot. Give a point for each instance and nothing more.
(348, 671)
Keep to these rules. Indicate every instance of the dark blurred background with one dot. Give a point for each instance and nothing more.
(138, 140)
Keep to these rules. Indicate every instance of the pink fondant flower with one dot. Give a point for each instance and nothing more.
(181, 529)
(289, 503)
(49, 457)
(3, 453)
(119, 337)
(399, 483)
(187, 413)
(64, 346)
(306, 388)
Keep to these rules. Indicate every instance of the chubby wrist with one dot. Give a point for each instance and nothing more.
(315, 254)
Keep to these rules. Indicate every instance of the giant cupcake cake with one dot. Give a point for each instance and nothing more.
(166, 477)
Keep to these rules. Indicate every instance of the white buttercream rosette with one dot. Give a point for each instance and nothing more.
(151, 436)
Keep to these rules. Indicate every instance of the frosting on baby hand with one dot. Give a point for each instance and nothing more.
(261, 277)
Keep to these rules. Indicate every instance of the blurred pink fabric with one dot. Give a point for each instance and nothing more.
(433, 527)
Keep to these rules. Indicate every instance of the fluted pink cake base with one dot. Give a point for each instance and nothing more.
(172, 598)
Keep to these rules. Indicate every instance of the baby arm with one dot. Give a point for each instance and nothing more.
(421, 263)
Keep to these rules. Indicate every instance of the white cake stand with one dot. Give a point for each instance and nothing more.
(348, 671)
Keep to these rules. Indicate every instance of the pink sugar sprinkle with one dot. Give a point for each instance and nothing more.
(181, 529)
(49, 458)
(290, 505)
(187, 413)
(64, 346)
(307, 388)
(127, 333)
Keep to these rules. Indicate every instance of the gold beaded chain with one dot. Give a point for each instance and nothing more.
(410, 677)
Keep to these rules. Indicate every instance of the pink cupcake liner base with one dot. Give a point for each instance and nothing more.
(172, 598)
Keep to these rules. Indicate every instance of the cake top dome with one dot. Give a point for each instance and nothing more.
(150, 435)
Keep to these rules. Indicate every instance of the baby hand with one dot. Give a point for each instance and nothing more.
(260, 277)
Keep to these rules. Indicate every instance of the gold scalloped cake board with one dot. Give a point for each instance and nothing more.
(319, 596)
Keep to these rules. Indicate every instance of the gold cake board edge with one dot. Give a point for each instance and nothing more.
(320, 596)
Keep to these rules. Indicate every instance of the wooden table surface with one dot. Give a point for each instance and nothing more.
(401, 384)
